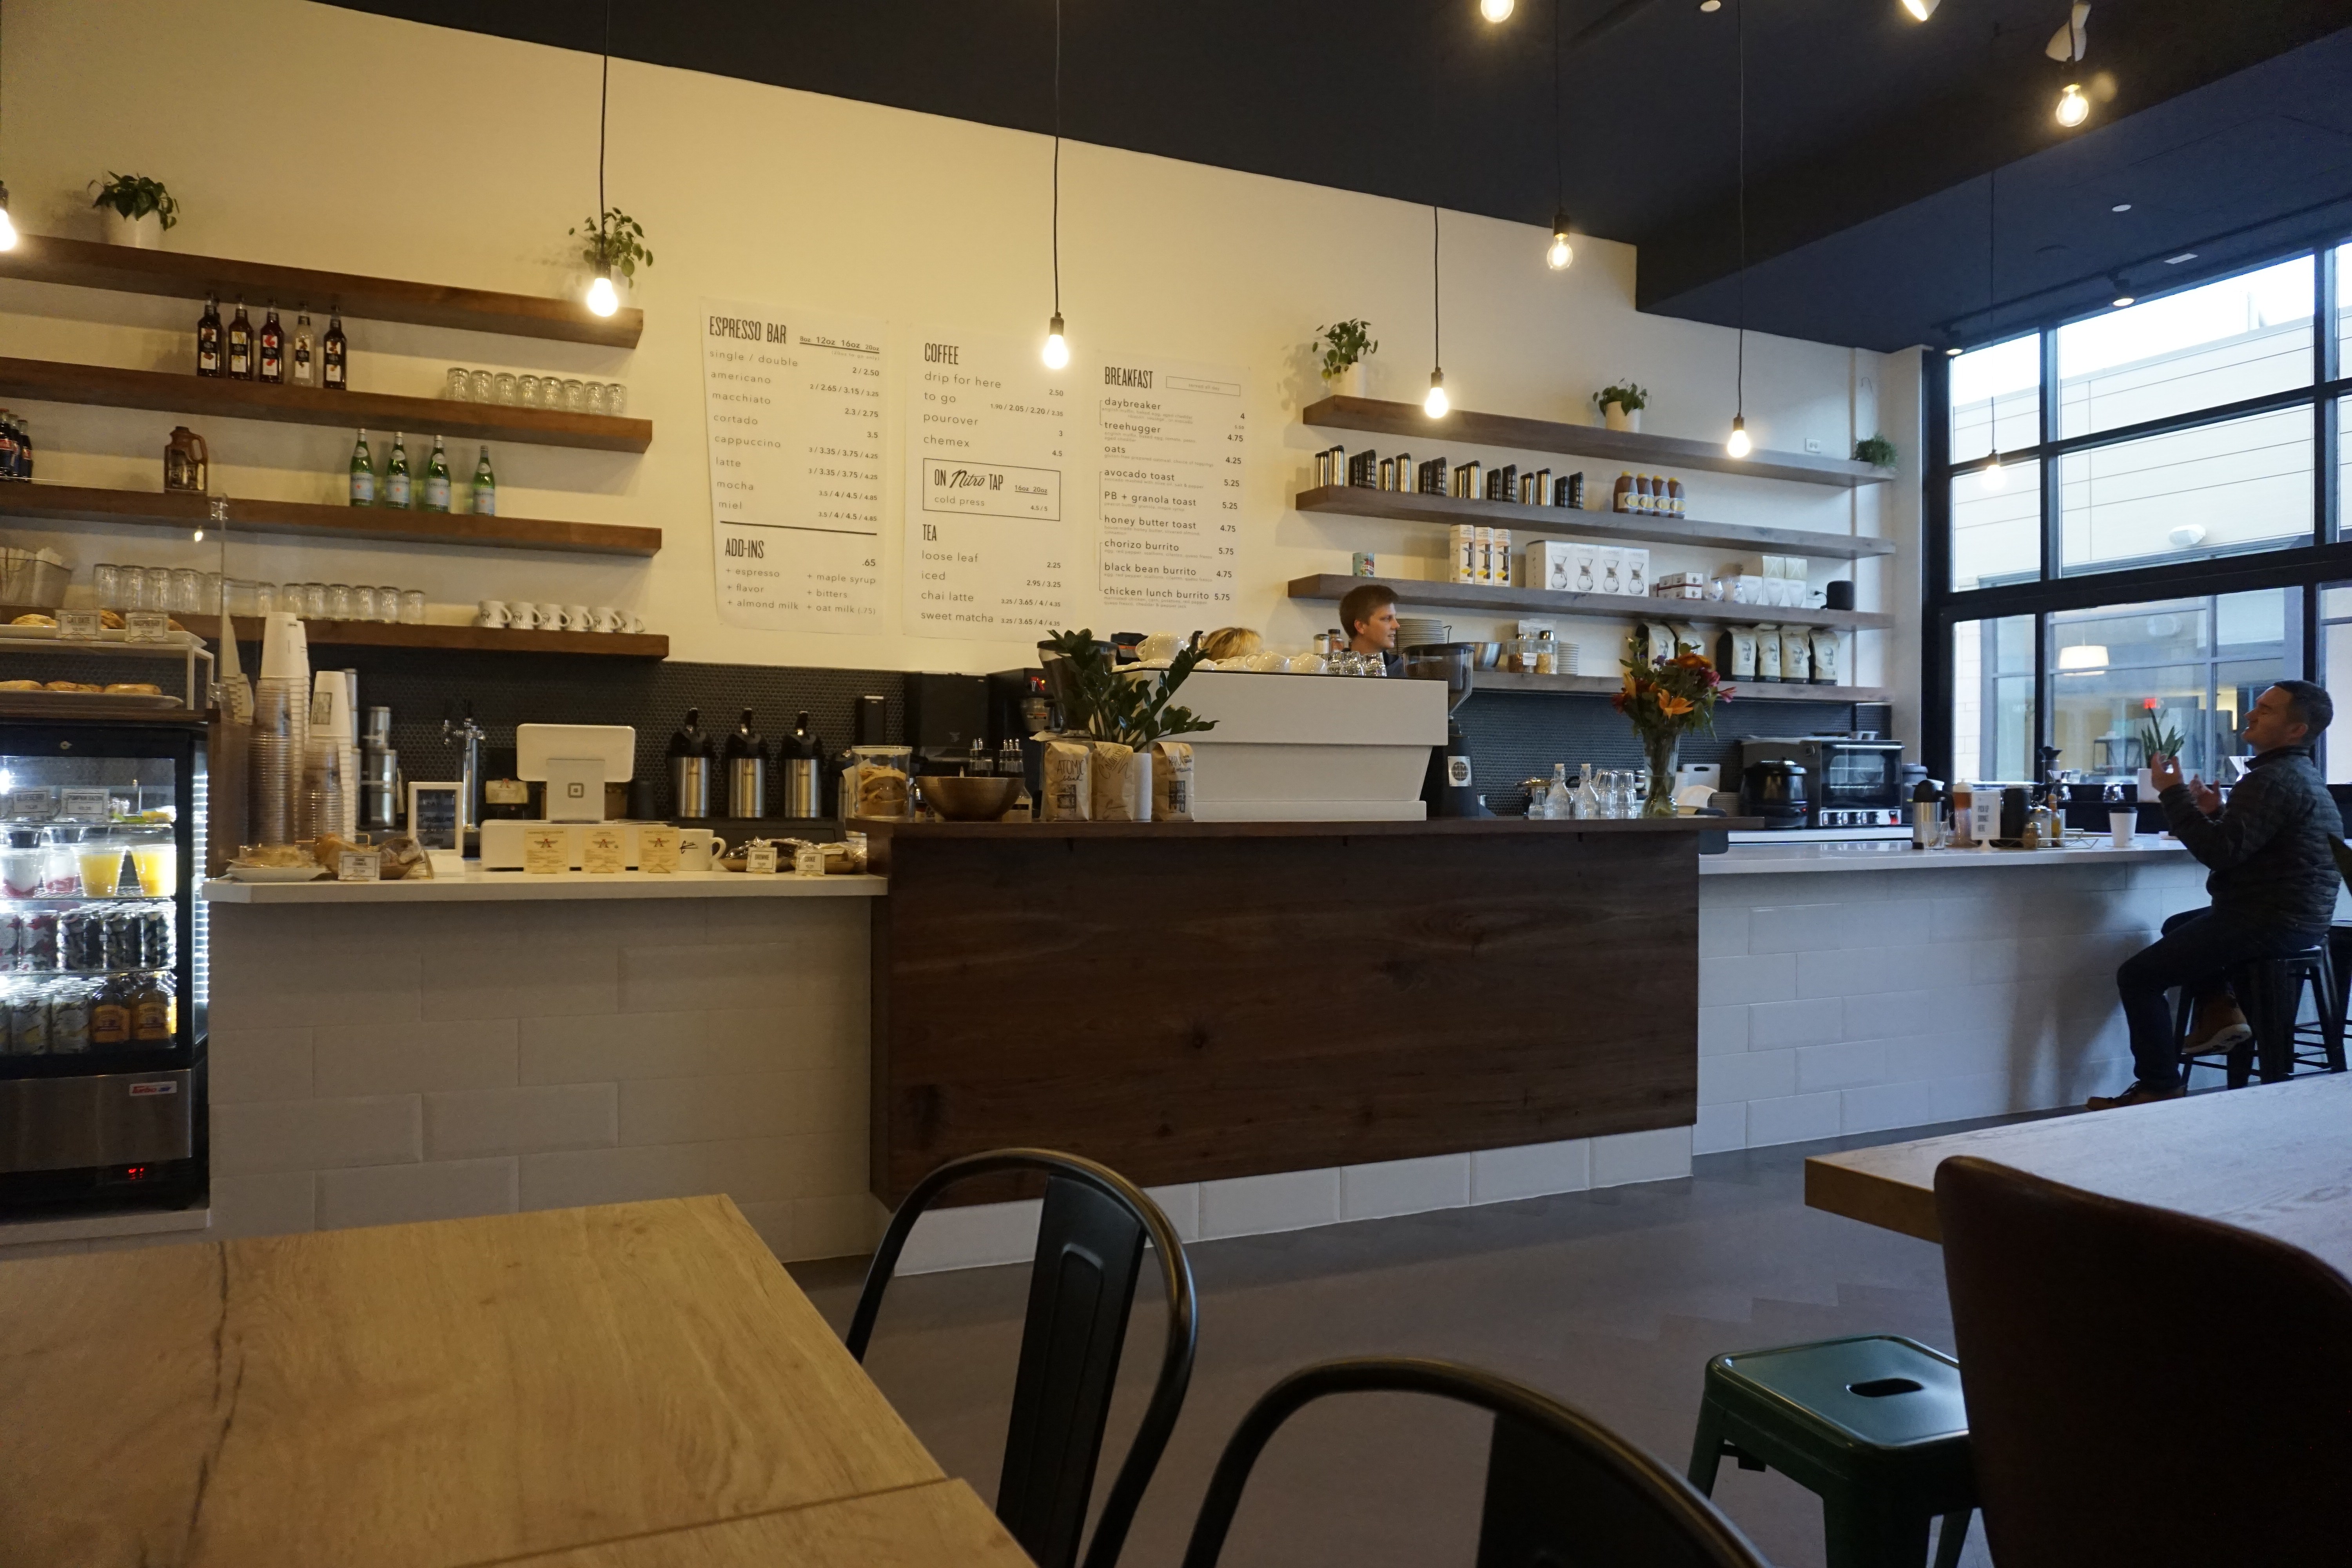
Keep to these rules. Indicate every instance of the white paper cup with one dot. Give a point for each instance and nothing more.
(2121, 825)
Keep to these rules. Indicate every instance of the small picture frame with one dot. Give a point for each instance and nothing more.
(436, 815)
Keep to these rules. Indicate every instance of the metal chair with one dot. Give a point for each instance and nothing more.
(2271, 992)
(1090, 1241)
(1560, 1488)
(2102, 1433)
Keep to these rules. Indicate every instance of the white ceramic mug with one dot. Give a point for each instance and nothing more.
(575, 618)
(604, 618)
(634, 624)
(697, 848)
(550, 617)
(494, 613)
(521, 617)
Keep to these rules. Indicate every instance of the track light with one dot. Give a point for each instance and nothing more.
(2123, 289)
(7, 230)
(1920, 9)
(2073, 107)
(1436, 404)
(1561, 253)
(603, 299)
(1496, 10)
(1739, 446)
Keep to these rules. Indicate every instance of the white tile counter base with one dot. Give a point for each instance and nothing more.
(1936, 988)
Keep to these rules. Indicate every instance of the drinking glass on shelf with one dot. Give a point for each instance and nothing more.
(1623, 795)
(187, 582)
(106, 581)
(461, 385)
(617, 399)
(527, 390)
(265, 600)
(594, 398)
(157, 593)
(339, 602)
(412, 607)
(575, 397)
(483, 387)
(387, 604)
(503, 390)
(240, 598)
(314, 601)
(208, 593)
(362, 603)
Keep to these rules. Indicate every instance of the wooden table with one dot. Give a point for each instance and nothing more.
(2276, 1159)
(618, 1387)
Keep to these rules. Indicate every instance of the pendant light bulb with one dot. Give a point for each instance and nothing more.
(1436, 404)
(1920, 9)
(1496, 10)
(1561, 253)
(1057, 348)
(7, 230)
(602, 297)
(1992, 476)
(2073, 107)
(1739, 446)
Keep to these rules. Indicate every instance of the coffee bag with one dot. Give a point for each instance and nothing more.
(1069, 783)
(1122, 784)
(1172, 780)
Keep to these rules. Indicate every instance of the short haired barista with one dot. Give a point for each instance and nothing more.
(1370, 616)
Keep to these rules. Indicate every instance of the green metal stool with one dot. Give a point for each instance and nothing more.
(1873, 1426)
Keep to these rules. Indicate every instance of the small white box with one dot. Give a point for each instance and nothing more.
(1585, 577)
(1679, 590)
(1637, 570)
(1609, 564)
(1550, 563)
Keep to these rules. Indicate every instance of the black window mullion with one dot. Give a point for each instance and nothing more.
(2326, 505)
(1935, 694)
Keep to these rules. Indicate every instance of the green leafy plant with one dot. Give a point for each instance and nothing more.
(1132, 710)
(136, 196)
(1343, 343)
(620, 241)
(2158, 738)
(1875, 450)
(1626, 396)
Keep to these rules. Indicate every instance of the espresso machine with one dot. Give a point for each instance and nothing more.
(1447, 789)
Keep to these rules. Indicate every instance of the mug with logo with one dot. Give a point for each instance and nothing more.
(521, 617)
(634, 624)
(575, 618)
(550, 617)
(494, 613)
(604, 618)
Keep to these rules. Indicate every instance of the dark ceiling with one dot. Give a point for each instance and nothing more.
(2227, 125)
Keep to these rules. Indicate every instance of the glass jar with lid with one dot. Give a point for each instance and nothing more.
(875, 784)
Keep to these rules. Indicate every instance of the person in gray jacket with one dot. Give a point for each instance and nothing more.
(2273, 886)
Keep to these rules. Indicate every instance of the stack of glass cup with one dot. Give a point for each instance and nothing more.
(282, 725)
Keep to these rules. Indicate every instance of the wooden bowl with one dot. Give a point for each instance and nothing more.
(969, 799)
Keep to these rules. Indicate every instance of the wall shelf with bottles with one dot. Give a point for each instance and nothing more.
(104, 387)
(160, 508)
(123, 270)
(1608, 686)
(1409, 506)
(1333, 587)
(1378, 417)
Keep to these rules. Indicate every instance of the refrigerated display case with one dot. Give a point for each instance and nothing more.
(103, 979)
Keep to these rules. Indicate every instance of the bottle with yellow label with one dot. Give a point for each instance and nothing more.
(110, 1014)
(152, 1010)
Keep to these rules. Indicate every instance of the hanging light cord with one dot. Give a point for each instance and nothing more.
(1058, 156)
(603, 104)
(1436, 299)
(1558, 173)
(1739, 376)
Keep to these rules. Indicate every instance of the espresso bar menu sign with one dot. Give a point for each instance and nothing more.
(795, 403)
(989, 531)
(1171, 437)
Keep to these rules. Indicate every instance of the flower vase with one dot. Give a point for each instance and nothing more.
(1661, 751)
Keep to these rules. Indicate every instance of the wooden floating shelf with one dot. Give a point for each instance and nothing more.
(463, 639)
(1409, 506)
(1334, 585)
(157, 509)
(1608, 686)
(1627, 446)
(103, 386)
(84, 264)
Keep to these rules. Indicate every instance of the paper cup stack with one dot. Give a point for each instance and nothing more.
(330, 763)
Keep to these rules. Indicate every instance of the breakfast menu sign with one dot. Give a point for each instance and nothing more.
(1170, 441)
(795, 404)
(989, 531)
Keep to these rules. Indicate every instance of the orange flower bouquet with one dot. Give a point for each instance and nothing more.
(1664, 698)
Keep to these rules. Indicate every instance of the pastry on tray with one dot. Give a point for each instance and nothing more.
(20, 685)
(134, 688)
(34, 618)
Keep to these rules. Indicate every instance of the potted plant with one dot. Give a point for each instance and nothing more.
(1664, 698)
(1621, 405)
(1345, 346)
(135, 209)
(1106, 705)
(2158, 738)
(618, 243)
(1875, 450)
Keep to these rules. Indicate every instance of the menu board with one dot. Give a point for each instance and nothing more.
(795, 404)
(988, 534)
(1171, 438)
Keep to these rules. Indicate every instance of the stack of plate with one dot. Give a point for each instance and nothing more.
(1420, 631)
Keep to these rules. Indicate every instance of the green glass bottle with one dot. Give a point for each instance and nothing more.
(363, 474)
(395, 475)
(486, 487)
(436, 479)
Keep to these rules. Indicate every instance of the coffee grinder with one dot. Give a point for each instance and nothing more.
(1447, 789)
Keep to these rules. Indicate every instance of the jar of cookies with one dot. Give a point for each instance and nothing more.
(876, 781)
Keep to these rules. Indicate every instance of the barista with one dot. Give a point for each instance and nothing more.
(1370, 616)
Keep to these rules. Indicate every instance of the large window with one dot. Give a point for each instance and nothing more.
(2138, 513)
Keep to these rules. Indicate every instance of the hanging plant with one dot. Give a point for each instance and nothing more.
(619, 243)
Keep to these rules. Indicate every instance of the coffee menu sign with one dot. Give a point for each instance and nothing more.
(794, 401)
(990, 538)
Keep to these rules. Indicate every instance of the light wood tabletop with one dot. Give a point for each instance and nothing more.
(2276, 1159)
(464, 1392)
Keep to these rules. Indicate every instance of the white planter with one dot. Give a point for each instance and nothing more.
(141, 234)
(2146, 784)
(1618, 417)
(1353, 382)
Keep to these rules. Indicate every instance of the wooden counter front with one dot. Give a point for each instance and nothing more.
(1186, 1001)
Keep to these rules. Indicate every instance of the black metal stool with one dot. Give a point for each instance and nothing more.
(2270, 990)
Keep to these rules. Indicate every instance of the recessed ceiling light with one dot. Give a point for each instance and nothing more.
(1710, 5)
(2177, 260)
(1952, 354)
(2120, 208)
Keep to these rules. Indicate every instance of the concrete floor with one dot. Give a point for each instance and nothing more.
(1611, 1301)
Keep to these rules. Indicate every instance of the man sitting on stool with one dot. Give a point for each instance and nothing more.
(2273, 887)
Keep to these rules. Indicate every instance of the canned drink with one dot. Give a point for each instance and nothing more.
(70, 1020)
(81, 939)
(12, 938)
(125, 938)
(155, 943)
(38, 941)
(29, 1021)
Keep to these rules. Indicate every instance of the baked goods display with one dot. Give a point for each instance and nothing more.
(133, 689)
(34, 618)
(20, 685)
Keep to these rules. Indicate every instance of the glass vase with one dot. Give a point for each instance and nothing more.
(1660, 749)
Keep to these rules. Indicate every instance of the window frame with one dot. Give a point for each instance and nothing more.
(2324, 559)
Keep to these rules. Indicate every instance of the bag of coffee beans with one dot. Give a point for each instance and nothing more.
(1172, 780)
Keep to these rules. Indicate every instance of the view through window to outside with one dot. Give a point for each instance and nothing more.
(2194, 666)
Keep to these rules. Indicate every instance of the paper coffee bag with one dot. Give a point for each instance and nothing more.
(1122, 784)
(1069, 791)
(1172, 780)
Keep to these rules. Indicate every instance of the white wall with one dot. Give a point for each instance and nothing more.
(315, 136)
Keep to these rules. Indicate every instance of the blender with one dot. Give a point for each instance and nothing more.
(1447, 790)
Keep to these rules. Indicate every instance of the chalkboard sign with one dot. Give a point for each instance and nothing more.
(432, 816)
